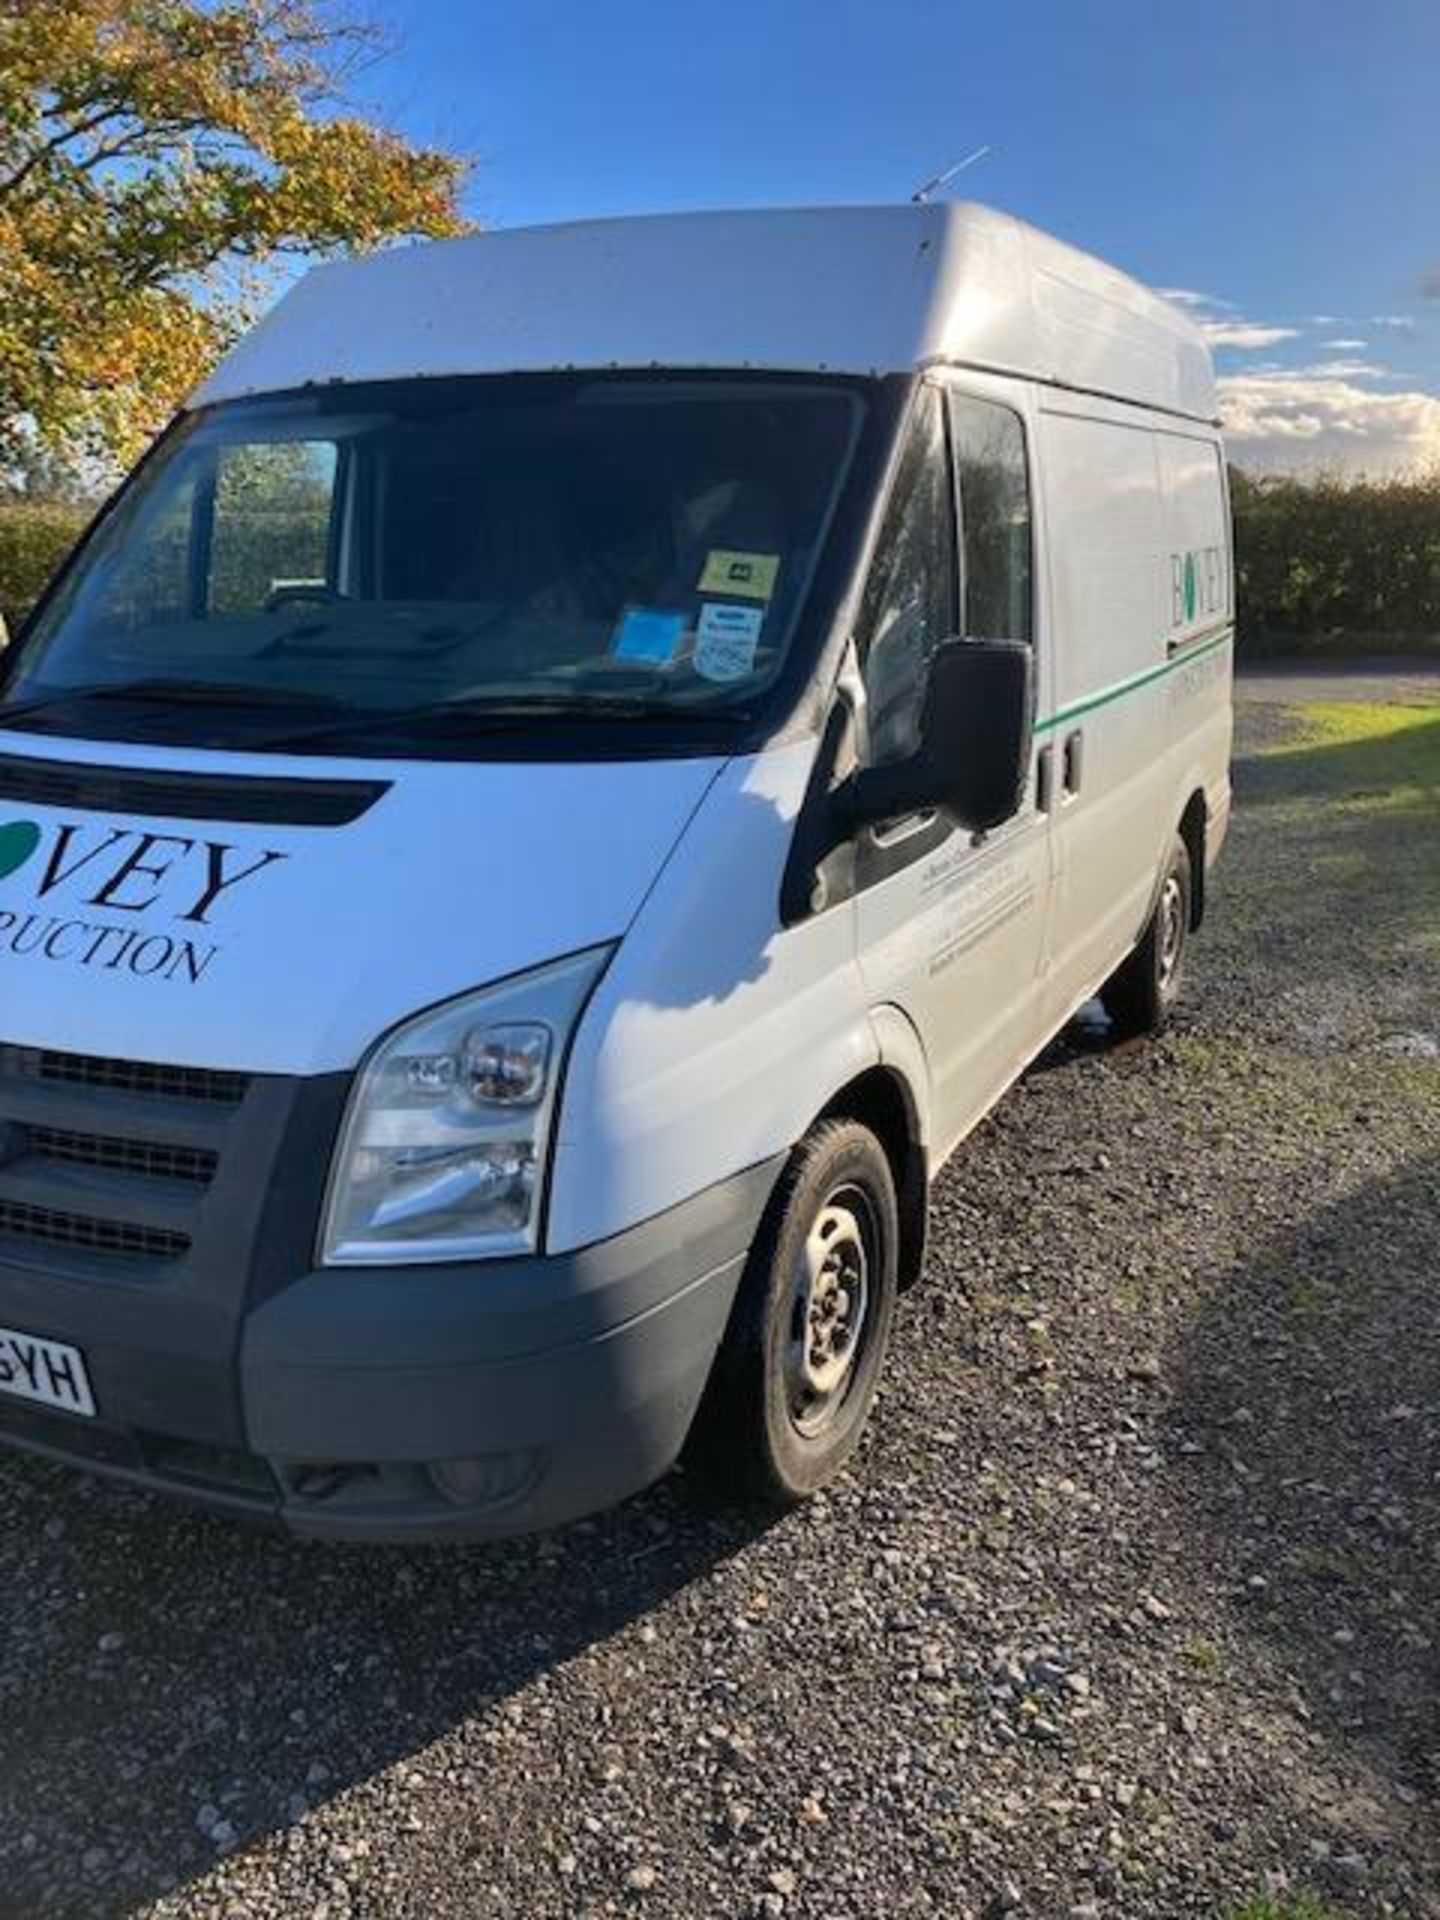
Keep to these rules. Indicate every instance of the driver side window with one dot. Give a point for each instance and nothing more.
(910, 603)
(988, 441)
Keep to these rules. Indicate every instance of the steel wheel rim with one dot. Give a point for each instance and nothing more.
(831, 1294)
(1172, 928)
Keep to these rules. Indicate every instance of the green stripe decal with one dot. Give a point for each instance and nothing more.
(1198, 649)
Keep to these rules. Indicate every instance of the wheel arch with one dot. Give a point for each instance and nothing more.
(1193, 827)
(883, 1100)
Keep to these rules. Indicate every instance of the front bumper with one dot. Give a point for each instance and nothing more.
(457, 1402)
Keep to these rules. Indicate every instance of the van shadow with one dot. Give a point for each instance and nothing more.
(164, 1672)
(1308, 1404)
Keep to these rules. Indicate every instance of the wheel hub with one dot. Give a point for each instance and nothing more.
(1172, 928)
(830, 1303)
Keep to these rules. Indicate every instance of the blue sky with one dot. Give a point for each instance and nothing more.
(1280, 158)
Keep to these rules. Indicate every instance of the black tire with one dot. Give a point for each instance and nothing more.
(764, 1432)
(1141, 994)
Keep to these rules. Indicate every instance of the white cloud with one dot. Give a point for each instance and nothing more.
(1248, 335)
(1313, 421)
(1188, 298)
(1346, 369)
(1404, 322)
(1337, 412)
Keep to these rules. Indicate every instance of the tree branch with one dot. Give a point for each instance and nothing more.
(62, 139)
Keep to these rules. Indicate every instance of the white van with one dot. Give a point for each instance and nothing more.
(569, 780)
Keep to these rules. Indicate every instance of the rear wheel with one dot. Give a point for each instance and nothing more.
(796, 1375)
(1141, 994)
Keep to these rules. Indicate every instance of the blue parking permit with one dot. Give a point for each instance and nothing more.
(648, 633)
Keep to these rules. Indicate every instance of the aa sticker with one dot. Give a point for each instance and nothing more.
(750, 574)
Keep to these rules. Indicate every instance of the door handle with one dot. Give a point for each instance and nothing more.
(1073, 764)
(1044, 779)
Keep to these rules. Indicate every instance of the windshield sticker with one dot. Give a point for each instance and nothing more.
(725, 641)
(648, 633)
(750, 574)
(171, 884)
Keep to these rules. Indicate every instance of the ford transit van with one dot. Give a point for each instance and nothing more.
(571, 777)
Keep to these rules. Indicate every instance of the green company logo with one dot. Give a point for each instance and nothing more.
(18, 840)
(1197, 585)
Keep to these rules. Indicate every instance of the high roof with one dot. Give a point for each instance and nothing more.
(844, 289)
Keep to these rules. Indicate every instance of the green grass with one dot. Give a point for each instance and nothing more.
(1204, 1656)
(1360, 753)
(1341, 848)
(1404, 730)
(1289, 1906)
(1327, 1566)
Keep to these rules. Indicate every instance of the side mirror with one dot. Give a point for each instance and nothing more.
(973, 759)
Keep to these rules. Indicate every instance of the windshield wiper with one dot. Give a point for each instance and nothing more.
(508, 715)
(60, 699)
(229, 694)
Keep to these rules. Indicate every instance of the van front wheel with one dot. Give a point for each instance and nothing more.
(796, 1374)
(1141, 994)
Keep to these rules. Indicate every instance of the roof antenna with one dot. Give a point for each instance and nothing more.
(922, 194)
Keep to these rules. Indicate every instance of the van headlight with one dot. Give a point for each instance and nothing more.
(443, 1151)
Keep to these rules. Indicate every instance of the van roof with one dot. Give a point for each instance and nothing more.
(873, 289)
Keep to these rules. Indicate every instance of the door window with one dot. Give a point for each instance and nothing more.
(994, 482)
(909, 605)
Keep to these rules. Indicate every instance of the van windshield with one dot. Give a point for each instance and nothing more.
(400, 565)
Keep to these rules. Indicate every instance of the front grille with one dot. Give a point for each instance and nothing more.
(106, 1159)
(123, 1076)
(145, 1157)
(79, 1230)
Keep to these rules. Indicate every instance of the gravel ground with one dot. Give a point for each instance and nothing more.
(1128, 1610)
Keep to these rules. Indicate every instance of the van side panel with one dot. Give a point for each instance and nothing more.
(1105, 536)
(1199, 640)
(1141, 592)
(1105, 540)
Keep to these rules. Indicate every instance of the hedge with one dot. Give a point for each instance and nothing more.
(1333, 566)
(1323, 566)
(35, 536)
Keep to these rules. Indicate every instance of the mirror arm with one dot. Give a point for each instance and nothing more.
(832, 820)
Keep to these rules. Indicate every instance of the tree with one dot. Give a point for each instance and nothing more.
(159, 162)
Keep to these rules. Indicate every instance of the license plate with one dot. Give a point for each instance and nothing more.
(44, 1370)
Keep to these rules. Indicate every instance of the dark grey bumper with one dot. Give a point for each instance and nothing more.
(456, 1402)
